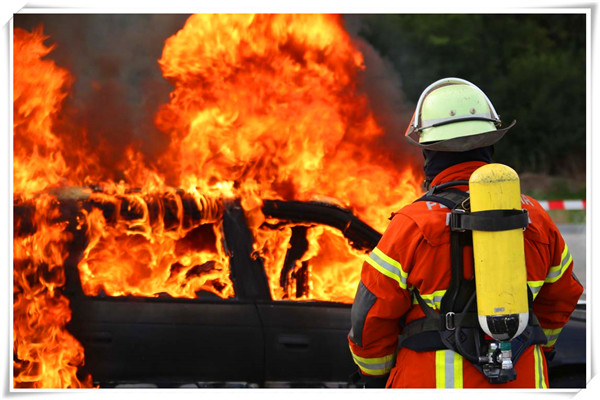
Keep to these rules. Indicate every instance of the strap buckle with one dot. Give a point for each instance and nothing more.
(450, 321)
(455, 220)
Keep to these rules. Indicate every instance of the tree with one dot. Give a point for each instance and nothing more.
(532, 66)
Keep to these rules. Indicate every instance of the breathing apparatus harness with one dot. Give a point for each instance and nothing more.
(456, 326)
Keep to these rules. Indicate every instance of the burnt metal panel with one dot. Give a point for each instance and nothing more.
(152, 340)
(247, 271)
(306, 342)
(360, 235)
(164, 339)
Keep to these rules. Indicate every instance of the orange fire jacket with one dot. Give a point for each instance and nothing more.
(414, 252)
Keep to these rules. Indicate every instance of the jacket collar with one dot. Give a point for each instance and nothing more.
(457, 172)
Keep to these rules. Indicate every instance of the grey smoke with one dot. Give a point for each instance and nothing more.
(118, 84)
(383, 85)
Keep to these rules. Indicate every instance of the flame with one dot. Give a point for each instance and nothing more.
(144, 257)
(39, 89)
(45, 354)
(263, 107)
(268, 104)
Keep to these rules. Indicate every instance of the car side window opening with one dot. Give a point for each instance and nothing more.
(306, 262)
(125, 259)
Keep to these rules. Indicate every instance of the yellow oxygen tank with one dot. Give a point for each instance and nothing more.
(500, 273)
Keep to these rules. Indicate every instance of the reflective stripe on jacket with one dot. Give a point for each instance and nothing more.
(414, 252)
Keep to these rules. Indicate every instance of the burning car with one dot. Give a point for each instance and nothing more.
(208, 283)
(258, 329)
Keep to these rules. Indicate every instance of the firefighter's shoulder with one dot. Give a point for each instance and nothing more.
(540, 223)
(432, 220)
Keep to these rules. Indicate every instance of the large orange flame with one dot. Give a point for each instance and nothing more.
(263, 107)
(45, 354)
(39, 89)
(268, 105)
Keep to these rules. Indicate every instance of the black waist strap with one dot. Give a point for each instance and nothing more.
(450, 321)
(423, 334)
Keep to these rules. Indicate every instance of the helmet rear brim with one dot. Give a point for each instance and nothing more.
(464, 143)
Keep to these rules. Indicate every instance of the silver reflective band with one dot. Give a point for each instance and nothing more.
(448, 370)
(557, 271)
(395, 271)
(431, 122)
(539, 363)
(535, 287)
(432, 300)
(378, 366)
(552, 338)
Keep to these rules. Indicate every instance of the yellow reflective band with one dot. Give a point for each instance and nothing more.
(440, 369)
(552, 336)
(535, 287)
(540, 382)
(458, 371)
(433, 300)
(387, 266)
(375, 366)
(448, 370)
(557, 271)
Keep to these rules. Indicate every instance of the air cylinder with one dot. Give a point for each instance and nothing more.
(499, 256)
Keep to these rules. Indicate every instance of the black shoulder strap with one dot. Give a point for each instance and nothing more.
(456, 326)
(445, 194)
(450, 198)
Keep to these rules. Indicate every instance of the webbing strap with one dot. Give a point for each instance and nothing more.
(450, 197)
(489, 221)
(438, 331)
(423, 334)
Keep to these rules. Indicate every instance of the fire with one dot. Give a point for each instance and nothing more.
(146, 257)
(40, 86)
(269, 105)
(45, 354)
(263, 107)
(328, 270)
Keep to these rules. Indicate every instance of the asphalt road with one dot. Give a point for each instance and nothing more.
(574, 236)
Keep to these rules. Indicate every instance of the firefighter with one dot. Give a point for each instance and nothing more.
(407, 281)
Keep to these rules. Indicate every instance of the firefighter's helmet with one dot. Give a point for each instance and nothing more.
(453, 114)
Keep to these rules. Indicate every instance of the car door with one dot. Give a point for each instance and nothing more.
(171, 341)
(305, 343)
(312, 285)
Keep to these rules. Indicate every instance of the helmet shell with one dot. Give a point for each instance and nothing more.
(454, 115)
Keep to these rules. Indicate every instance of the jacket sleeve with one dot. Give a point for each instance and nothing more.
(560, 291)
(382, 298)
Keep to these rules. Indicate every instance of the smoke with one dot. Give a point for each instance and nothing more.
(118, 85)
(382, 84)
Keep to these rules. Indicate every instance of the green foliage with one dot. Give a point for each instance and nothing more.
(532, 66)
(558, 188)
(572, 217)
